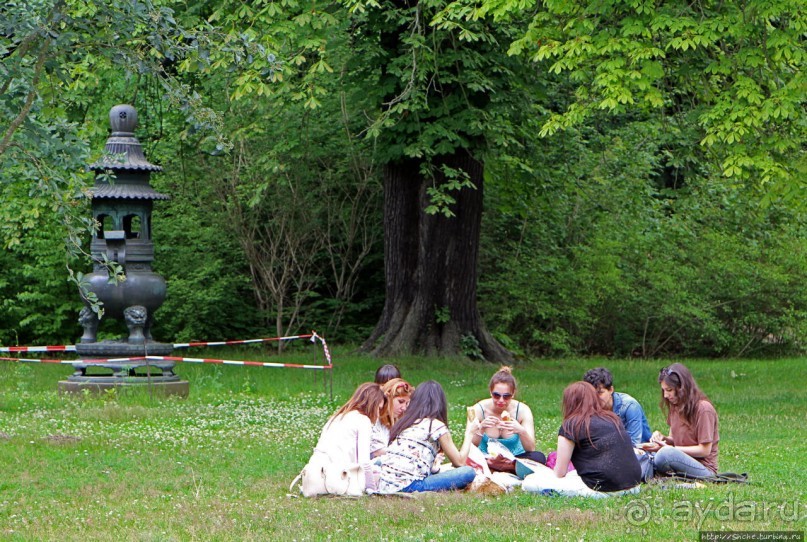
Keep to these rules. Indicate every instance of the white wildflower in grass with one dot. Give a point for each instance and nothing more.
(186, 426)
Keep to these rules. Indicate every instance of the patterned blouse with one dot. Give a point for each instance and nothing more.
(411, 455)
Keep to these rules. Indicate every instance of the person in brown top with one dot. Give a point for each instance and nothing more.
(690, 450)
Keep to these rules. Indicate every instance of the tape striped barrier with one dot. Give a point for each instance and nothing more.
(244, 341)
(327, 352)
(71, 348)
(95, 361)
(238, 362)
(62, 348)
(73, 361)
(170, 358)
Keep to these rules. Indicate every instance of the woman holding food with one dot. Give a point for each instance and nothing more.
(690, 450)
(503, 418)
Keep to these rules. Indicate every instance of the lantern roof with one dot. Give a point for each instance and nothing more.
(121, 190)
(123, 151)
(124, 158)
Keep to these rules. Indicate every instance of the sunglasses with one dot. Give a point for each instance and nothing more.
(504, 396)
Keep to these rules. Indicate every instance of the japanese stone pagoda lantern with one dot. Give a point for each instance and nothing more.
(122, 202)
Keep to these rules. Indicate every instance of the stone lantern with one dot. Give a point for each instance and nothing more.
(122, 202)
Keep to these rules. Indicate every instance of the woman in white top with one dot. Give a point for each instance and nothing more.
(346, 437)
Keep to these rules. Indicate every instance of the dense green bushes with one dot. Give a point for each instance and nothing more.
(610, 262)
(589, 252)
(626, 234)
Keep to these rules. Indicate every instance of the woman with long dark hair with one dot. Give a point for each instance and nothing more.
(594, 440)
(345, 439)
(690, 450)
(415, 440)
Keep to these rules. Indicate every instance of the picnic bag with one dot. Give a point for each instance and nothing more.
(321, 476)
(346, 480)
(324, 476)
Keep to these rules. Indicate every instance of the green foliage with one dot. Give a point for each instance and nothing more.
(209, 295)
(37, 303)
(600, 256)
(737, 66)
(664, 216)
(469, 346)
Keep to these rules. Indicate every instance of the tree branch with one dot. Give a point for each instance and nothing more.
(29, 100)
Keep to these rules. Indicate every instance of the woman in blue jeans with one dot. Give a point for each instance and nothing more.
(416, 439)
(690, 450)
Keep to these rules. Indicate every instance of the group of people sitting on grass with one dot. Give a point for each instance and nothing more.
(400, 437)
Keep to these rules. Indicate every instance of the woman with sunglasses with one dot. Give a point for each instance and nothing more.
(505, 419)
(399, 394)
(690, 450)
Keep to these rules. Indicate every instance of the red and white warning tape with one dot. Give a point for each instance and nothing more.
(245, 341)
(237, 362)
(70, 348)
(314, 338)
(63, 348)
(169, 358)
(73, 361)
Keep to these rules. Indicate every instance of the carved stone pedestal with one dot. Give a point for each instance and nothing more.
(158, 376)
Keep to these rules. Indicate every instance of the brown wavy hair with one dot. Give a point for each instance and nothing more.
(689, 395)
(503, 376)
(580, 404)
(397, 387)
(366, 399)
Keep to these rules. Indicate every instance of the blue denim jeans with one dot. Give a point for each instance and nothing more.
(669, 460)
(451, 479)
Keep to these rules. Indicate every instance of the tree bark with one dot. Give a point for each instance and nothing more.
(430, 265)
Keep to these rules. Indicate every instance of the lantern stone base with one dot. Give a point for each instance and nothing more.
(99, 385)
(123, 349)
(114, 364)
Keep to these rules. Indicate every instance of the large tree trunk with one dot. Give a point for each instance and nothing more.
(431, 268)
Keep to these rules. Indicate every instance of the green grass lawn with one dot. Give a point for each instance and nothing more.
(217, 466)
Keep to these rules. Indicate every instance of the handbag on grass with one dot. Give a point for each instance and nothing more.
(345, 480)
(322, 476)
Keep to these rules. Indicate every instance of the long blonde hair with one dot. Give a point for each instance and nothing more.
(397, 387)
